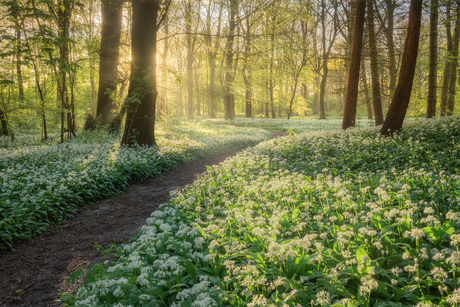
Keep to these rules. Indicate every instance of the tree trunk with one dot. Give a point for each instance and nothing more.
(188, 31)
(315, 104)
(64, 25)
(433, 74)
(294, 90)
(447, 67)
(349, 113)
(212, 53)
(18, 52)
(366, 90)
(247, 73)
(322, 87)
(164, 70)
(322, 90)
(180, 93)
(248, 97)
(142, 93)
(212, 89)
(305, 97)
(229, 77)
(111, 13)
(198, 101)
(272, 103)
(400, 102)
(92, 82)
(325, 56)
(4, 123)
(42, 107)
(454, 65)
(376, 93)
(271, 81)
(391, 5)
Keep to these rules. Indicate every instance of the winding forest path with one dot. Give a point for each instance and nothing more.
(34, 273)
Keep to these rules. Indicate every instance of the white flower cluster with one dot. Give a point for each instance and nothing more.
(40, 182)
(322, 218)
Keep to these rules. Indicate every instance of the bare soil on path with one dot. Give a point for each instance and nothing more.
(34, 273)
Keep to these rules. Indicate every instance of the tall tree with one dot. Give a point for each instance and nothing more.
(297, 50)
(326, 17)
(270, 81)
(346, 19)
(142, 92)
(433, 74)
(247, 24)
(111, 13)
(163, 107)
(387, 23)
(349, 113)
(400, 101)
(18, 53)
(63, 17)
(229, 96)
(373, 53)
(212, 55)
(454, 64)
(190, 46)
(366, 89)
(448, 62)
(3, 123)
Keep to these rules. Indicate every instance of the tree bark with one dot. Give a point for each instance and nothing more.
(376, 93)
(271, 76)
(63, 30)
(366, 90)
(188, 31)
(212, 54)
(142, 93)
(391, 6)
(447, 66)
(229, 77)
(18, 51)
(247, 74)
(164, 70)
(400, 102)
(291, 101)
(4, 123)
(325, 55)
(349, 113)
(305, 97)
(111, 13)
(433, 73)
(198, 98)
(454, 65)
(322, 90)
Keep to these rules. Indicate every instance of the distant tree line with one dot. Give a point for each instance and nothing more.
(104, 63)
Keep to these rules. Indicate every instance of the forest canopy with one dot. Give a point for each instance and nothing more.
(73, 65)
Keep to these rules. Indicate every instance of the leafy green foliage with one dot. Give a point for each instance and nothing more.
(326, 219)
(43, 184)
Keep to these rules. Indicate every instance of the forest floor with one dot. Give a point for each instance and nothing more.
(35, 273)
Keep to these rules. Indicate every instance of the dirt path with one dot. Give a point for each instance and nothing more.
(35, 273)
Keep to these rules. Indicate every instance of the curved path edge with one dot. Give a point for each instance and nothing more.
(34, 273)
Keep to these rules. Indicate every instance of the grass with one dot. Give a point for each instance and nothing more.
(329, 218)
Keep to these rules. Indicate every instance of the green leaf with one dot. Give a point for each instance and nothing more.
(74, 276)
(338, 248)
(191, 270)
(295, 213)
(362, 256)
